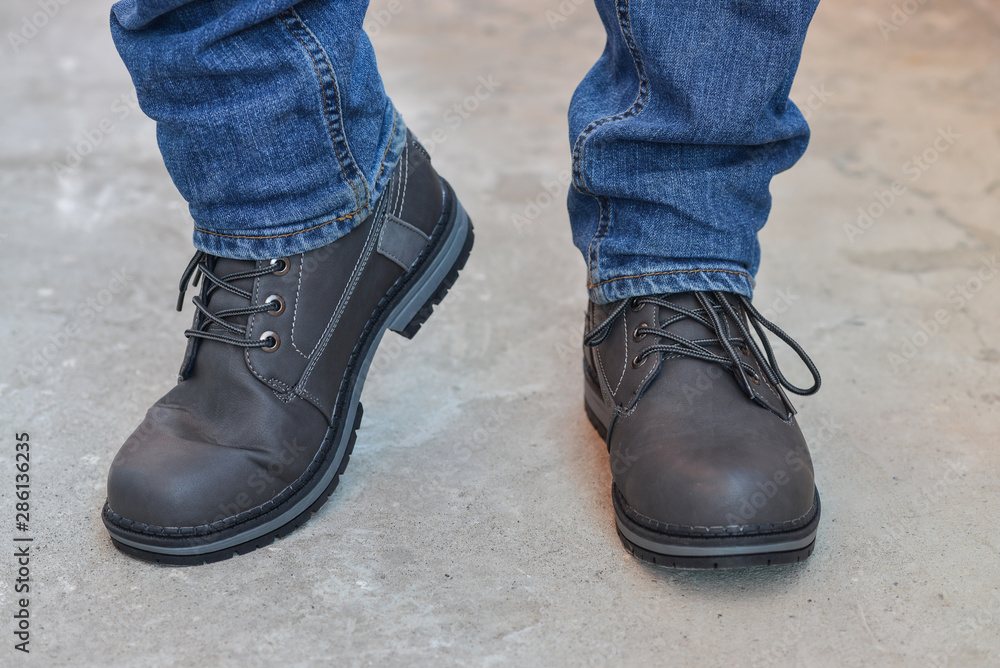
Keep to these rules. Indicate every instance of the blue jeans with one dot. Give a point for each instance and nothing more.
(275, 127)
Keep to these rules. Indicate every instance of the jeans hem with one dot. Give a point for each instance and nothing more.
(305, 235)
(669, 281)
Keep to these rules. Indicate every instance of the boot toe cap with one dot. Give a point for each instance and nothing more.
(164, 478)
(752, 485)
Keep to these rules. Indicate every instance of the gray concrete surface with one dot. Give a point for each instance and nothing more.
(499, 548)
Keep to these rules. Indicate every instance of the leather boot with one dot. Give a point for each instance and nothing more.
(710, 468)
(253, 438)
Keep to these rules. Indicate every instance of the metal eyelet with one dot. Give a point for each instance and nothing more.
(755, 379)
(275, 299)
(285, 266)
(634, 304)
(274, 338)
(636, 362)
(636, 336)
(745, 349)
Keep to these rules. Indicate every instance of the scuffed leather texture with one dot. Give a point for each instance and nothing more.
(245, 423)
(687, 446)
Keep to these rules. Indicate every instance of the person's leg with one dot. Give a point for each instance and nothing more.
(676, 133)
(320, 225)
(271, 116)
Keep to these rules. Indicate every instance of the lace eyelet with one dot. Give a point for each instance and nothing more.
(636, 362)
(745, 349)
(636, 336)
(285, 266)
(634, 304)
(273, 338)
(275, 299)
(755, 379)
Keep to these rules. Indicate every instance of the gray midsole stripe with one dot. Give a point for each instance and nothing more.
(714, 551)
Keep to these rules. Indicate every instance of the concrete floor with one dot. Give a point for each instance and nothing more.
(499, 548)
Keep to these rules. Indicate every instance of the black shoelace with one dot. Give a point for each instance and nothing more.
(203, 264)
(715, 305)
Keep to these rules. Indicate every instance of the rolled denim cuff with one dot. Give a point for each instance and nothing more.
(673, 278)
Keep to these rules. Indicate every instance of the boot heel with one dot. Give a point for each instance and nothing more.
(438, 278)
(597, 411)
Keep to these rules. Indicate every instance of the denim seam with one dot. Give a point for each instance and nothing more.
(604, 224)
(675, 271)
(331, 104)
(388, 145)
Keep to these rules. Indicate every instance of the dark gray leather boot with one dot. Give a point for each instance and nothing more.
(255, 435)
(710, 468)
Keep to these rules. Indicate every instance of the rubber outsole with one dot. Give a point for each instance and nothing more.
(716, 562)
(412, 326)
(720, 552)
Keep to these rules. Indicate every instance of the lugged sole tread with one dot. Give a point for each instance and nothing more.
(427, 309)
